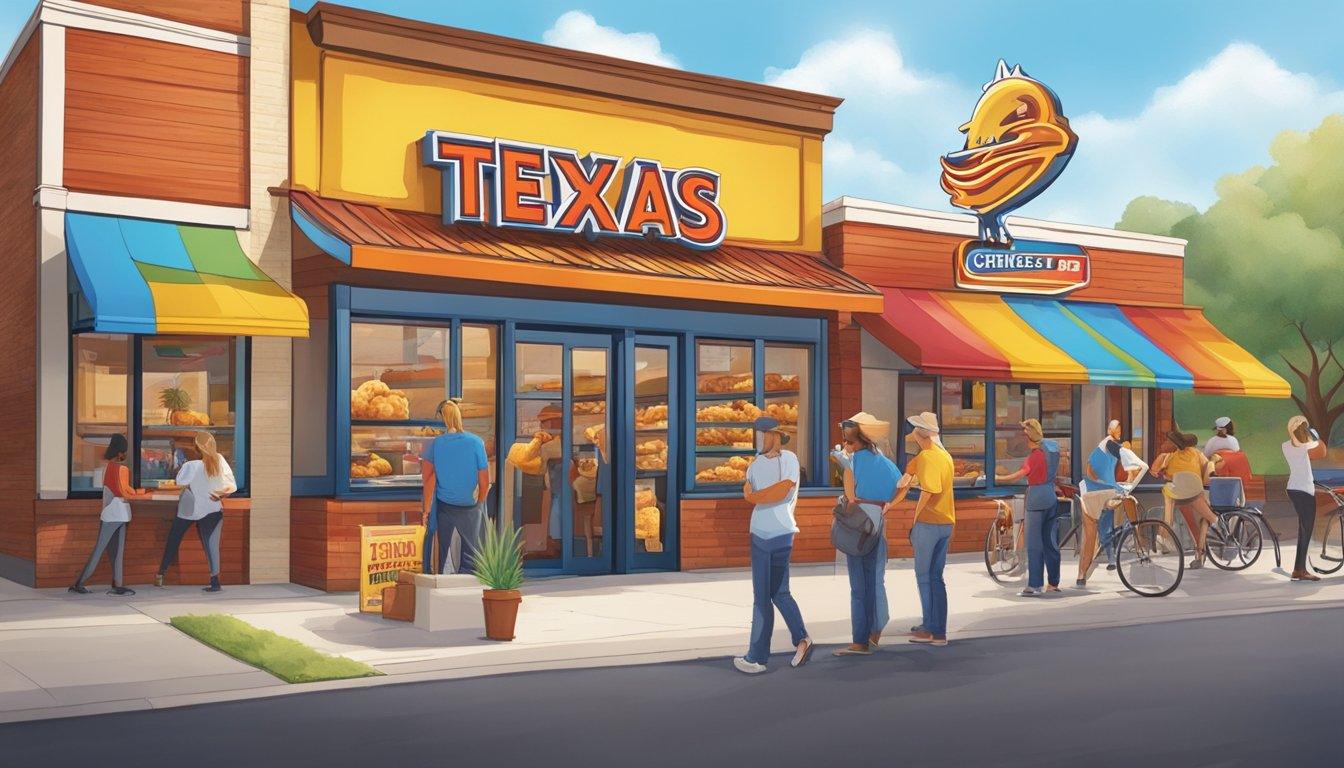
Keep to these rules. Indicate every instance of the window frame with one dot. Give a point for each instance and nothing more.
(242, 397)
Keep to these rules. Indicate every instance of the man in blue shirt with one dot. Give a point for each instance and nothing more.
(456, 477)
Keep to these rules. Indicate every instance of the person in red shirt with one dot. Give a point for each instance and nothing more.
(1039, 469)
(116, 515)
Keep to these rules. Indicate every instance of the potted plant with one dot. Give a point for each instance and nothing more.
(177, 401)
(499, 566)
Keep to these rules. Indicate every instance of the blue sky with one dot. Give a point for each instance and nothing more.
(1166, 96)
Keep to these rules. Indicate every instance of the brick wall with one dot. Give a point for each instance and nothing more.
(18, 303)
(324, 538)
(715, 532)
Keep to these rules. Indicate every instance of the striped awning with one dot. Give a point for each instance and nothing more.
(145, 276)
(1018, 338)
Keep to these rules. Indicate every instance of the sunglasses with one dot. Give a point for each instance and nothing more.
(847, 424)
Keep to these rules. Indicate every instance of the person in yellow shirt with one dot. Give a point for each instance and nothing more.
(931, 533)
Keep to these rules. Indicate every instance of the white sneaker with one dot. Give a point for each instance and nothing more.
(1029, 592)
(801, 655)
(748, 667)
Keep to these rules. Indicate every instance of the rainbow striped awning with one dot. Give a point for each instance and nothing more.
(1018, 338)
(144, 276)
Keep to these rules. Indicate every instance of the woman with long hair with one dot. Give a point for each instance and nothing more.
(116, 515)
(456, 477)
(870, 481)
(1303, 445)
(205, 482)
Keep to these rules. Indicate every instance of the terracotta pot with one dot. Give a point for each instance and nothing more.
(501, 612)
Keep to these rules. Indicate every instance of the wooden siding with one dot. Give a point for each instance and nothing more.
(68, 529)
(150, 119)
(715, 532)
(892, 257)
(845, 373)
(18, 302)
(223, 15)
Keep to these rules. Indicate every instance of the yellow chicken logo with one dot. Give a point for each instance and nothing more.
(1017, 143)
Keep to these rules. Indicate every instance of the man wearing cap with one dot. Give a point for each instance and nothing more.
(1040, 469)
(772, 486)
(931, 532)
(1224, 437)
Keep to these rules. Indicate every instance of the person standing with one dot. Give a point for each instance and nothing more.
(1303, 445)
(1040, 469)
(870, 480)
(456, 478)
(1100, 498)
(1224, 437)
(205, 482)
(772, 486)
(931, 532)
(113, 520)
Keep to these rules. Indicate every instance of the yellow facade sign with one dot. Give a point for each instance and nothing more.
(358, 123)
(385, 551)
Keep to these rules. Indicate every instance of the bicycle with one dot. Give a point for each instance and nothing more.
(1234, 542)
(1141, 562)
(1330, 558)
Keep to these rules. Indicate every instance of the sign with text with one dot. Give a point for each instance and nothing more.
(385, 551)
(533, 186)
(1022, 266)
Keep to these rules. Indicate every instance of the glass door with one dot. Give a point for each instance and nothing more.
(653, 537)
(557, 483)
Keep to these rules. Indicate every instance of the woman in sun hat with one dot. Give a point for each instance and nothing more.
(1303, 445)
(870, 481)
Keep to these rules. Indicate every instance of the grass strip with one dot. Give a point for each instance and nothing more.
(287, 659)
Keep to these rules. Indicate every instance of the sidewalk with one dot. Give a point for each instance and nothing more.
(64, 655)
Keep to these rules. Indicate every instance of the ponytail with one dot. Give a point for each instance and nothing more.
(205, 443)
(452, 415)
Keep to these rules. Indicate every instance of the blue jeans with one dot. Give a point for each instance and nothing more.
(930, 541)
(1042, 547)
(770, 590)
(469, 522)
(1106, 532)
(868, 611)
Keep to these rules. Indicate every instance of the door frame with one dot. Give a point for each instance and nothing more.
(669, 559)
(568, 341)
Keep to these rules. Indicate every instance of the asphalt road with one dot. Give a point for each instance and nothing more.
(1264, 690)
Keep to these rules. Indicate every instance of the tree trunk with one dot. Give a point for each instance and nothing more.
(1318, 403)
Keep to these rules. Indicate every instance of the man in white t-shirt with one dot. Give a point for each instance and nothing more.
(1224, 438)
(772, 485)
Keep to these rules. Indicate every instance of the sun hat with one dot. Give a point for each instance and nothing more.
(769, 424)
(1033, 429)
(869, 426)
(1221, 422)
(1184, 486)
(926, 421)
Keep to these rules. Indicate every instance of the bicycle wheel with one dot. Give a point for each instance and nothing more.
(1004, 561)
(1328, 556)
(1234, 544)
(1145, 566)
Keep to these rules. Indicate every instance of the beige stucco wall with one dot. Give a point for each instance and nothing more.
(268, 244)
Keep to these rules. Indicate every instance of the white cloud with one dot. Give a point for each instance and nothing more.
(580, 31)
(895, 121)
(1219, 119)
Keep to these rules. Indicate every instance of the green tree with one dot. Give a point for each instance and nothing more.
(1266, 260)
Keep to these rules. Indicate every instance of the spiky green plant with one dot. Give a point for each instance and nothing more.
(499, 560)
(174, 398)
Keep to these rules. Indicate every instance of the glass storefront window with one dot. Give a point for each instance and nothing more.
(963, 404)
(185, 384)
(399, 373)
(1013, 404)
(651, 425)
(102, 396)
(729, 399)
(1138, 421)
(1057, 421)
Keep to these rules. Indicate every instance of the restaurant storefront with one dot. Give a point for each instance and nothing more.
(985, 355)
(622, 256)
(144, 290)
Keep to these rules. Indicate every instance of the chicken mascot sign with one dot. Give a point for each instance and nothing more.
(1018, 141)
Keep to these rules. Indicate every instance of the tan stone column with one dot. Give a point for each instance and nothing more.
(268, 244)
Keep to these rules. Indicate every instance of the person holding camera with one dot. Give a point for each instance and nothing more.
(1303, 445)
